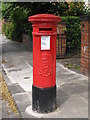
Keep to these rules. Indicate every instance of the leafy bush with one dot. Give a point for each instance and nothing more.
(73, 32)
(16, 20)
(8, 29)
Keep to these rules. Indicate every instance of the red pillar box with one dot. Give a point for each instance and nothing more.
(44, 62)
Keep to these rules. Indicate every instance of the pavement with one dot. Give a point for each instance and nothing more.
(7, 112)
(72, 87)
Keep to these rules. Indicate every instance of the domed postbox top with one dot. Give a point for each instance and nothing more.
(44, 18)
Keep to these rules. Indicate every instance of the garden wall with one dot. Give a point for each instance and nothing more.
(85, 45)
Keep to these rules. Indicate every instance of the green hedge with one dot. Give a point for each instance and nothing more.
(12, 31)
(8, 29)
(73, 32)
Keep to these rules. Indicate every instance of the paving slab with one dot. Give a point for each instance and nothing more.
(15, 88)
(22, 76)
(22, 105)
(23, 96)
(22, 100)
(72, 89)
(7, 111)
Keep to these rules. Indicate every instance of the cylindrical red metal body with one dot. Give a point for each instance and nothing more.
(44, 50)
(44, 61)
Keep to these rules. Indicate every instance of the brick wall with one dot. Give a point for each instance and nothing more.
(61, 40)
(1, 24)
(85, 45)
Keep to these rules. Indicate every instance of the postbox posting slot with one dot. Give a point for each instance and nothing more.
(45, 29)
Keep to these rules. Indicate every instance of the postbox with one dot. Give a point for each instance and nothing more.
(44, 62)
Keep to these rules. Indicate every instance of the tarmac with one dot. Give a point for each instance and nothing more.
(17, 69)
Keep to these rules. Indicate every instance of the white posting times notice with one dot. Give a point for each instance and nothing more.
(45, 42)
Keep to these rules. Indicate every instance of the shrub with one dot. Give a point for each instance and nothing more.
(8, 29)
(16, 17)
(73, 32)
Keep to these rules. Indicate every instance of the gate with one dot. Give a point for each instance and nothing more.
(61, 41)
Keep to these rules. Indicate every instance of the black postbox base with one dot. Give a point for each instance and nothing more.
(43, 99)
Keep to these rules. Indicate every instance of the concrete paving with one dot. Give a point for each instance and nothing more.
(72, 87)
(7, 112)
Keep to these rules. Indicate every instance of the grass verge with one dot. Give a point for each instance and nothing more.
(6, 95)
